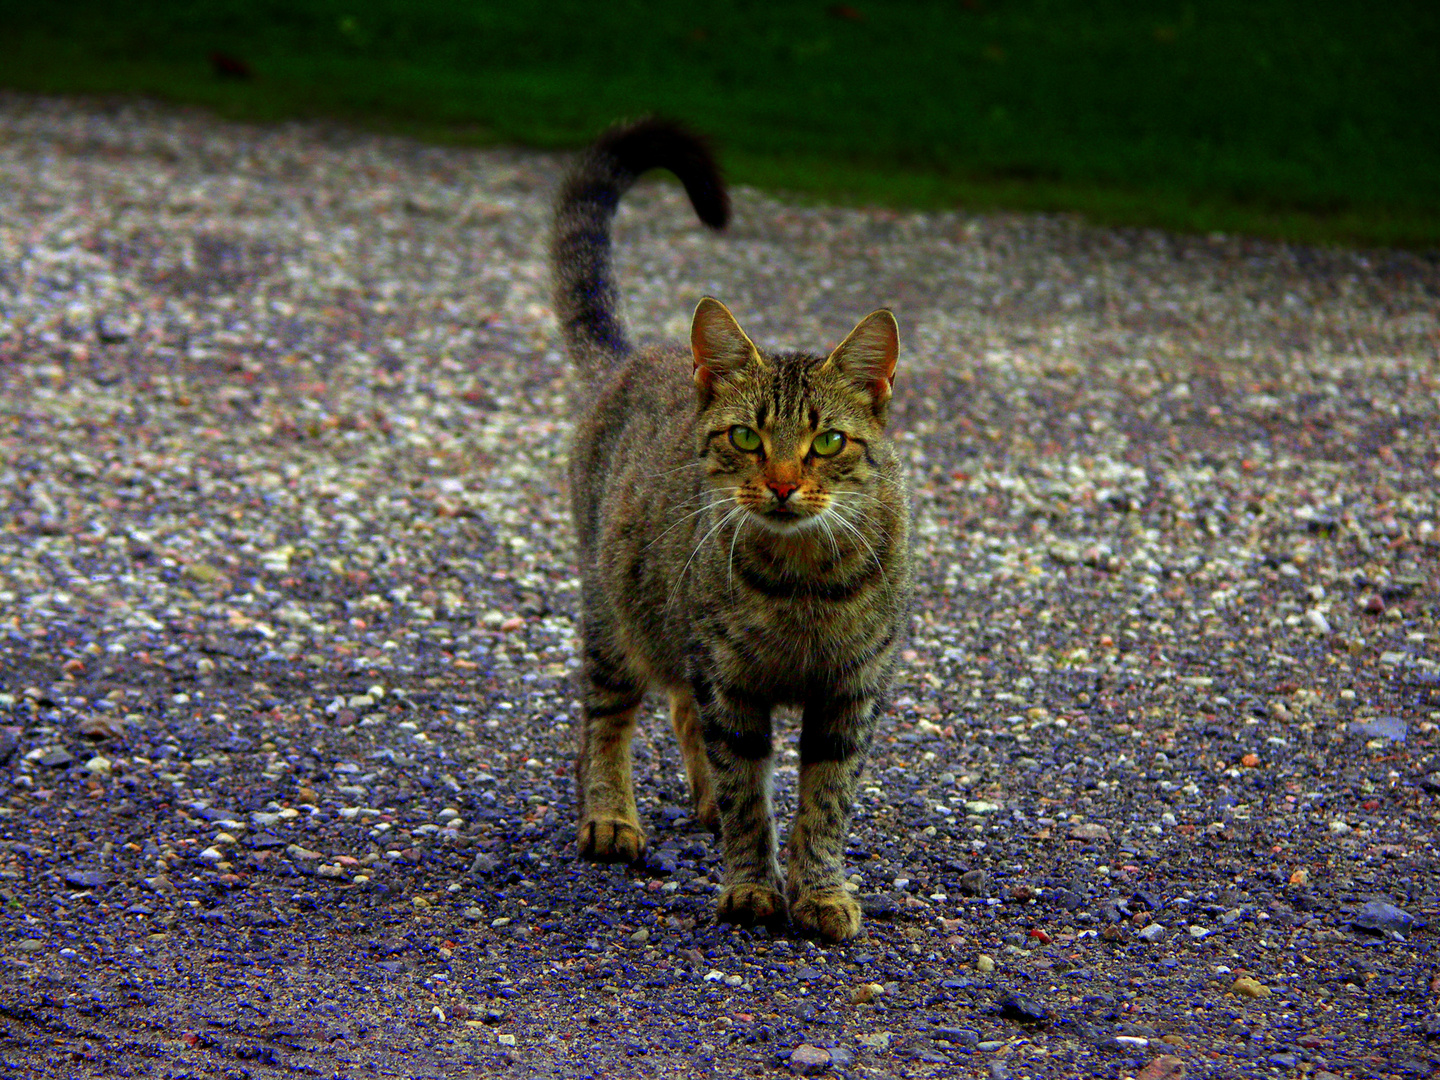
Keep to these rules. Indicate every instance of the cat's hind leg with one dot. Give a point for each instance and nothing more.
(609, 824)
(686, 720)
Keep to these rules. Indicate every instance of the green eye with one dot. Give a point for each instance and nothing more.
(828, 443)
(744, 438)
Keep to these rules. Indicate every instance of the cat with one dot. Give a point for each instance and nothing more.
(743, 531)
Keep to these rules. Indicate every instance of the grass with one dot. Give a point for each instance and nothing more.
(1309, 121)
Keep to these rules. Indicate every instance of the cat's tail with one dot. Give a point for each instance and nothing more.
(585, 295)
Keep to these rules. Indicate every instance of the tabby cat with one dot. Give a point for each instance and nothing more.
(743, 531)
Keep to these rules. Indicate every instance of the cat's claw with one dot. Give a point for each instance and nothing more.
(611, 840)
(832, 916)
(750, 902)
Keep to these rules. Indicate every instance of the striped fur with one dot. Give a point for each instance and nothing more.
(743, 531)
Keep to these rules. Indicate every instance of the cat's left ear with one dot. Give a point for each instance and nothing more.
(721, 350)
(867, 357)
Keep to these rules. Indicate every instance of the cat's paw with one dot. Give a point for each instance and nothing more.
(611, 840)
(834, 916)
(748, 902)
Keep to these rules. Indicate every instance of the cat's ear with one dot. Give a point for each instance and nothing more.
(867, 357)
(720, 347)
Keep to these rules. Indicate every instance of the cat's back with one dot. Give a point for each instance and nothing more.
(632, 448)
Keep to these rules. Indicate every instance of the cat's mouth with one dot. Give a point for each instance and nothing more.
(785, 519)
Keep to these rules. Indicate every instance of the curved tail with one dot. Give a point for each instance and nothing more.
(585, 294)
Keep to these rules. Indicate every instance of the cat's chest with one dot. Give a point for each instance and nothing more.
(798, 624)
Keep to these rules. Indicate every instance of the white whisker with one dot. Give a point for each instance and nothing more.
(730, 566)
(694, 513)
(679, 580)
(844, 523)
(680, 468)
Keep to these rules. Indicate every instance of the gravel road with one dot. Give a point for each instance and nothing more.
(287, 628)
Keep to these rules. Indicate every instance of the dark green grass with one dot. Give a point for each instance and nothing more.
(1309, 121)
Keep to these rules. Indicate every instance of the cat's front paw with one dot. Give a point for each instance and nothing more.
(611, 840)
(834, 916)
(749, 902)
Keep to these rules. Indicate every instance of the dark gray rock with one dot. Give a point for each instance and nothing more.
(1024, 1010)
(88, 879)
(1383, 917)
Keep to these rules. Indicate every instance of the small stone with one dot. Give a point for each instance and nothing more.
(1087, 830)
(98, 766)
(1245, 986)
(56, 757)
(29, 945)
(1164, 1067)
(212, 854)
(202, 572)
(1317, 620)
(1391, 728)
(483, 864)
(1300, 877)
(981, 807)
(877, 1040)
(974, 882)
(306, 797)
(505, 1039)
(807, 1060)
(866, 992)
(641, 936)
(985, 964)
(102, 726)
(1065, 553)
(1152, 933)
(1198, 932)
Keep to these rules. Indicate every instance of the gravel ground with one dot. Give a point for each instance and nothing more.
(287, 625)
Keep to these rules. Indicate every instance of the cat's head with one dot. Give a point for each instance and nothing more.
(793, 437)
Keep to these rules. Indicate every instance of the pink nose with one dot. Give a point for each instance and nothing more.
(781, 489)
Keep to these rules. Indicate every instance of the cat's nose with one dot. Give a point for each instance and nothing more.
(781, 488)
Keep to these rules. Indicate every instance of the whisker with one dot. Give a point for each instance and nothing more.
(844, 523)
(730, 566)
(679, 580)
(680, 468)
(693, 514)
(830, 535)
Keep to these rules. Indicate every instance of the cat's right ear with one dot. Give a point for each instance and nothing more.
(720, 348)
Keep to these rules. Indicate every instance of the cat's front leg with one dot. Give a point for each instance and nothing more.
(834, 741)
(736, 728)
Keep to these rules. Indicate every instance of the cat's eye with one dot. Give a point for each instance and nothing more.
(828, 443)
(744, 438)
